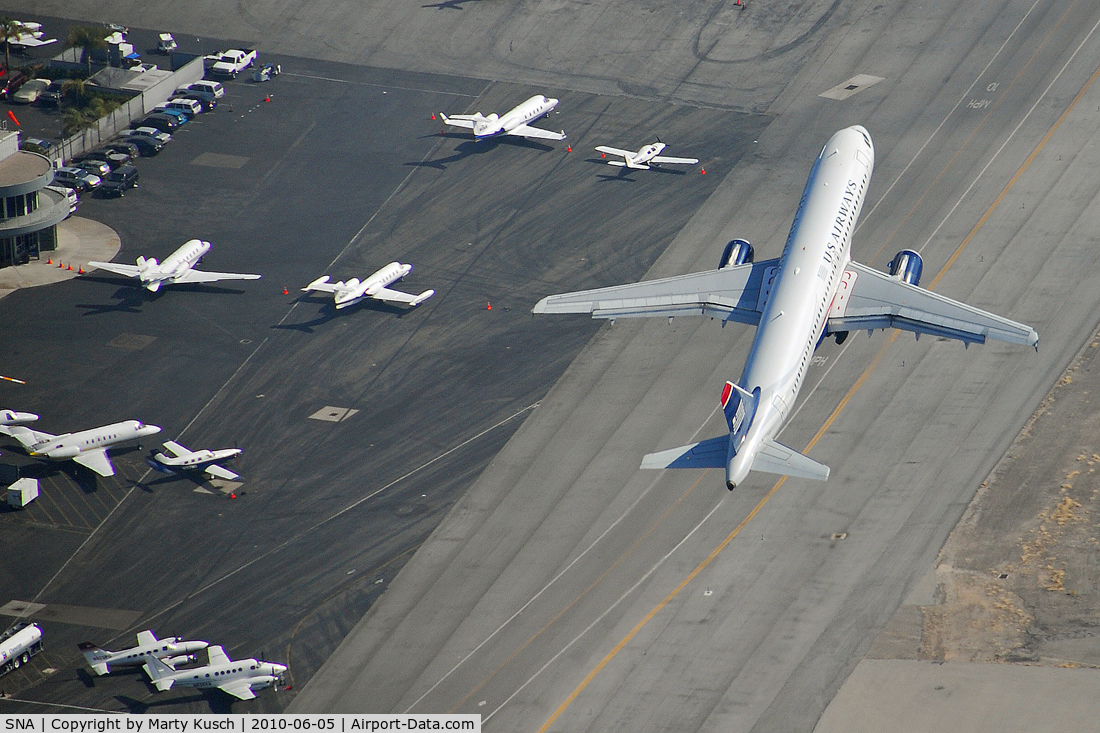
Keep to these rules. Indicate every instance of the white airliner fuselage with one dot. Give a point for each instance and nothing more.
(513, 122)
(172, 650)
(88, 447)
(177, 267)
(817, 251)
(372, 286)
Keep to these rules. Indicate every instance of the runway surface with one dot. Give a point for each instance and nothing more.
(567, 590)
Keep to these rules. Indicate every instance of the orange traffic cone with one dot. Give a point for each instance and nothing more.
(488, 306)
(702, 171)
(286, 292)
(49, 261)
(61, 265)
(433, 115)
(569, 148)
(70, 268)
(267, 99)
(80, 271)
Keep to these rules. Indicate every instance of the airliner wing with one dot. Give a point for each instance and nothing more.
(127, 270)
(466, 121)
(200, 276)
(216, 471)
(528, 131)
(240, 689)
(396, 296)
(615, 151)
(96, 460)
(876, 300)
(677, 161)
(733, 293)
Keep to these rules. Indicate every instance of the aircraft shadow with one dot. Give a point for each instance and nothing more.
(476, 147)
(132, 297)
(448, 4)
(219, 702)
(328, 313)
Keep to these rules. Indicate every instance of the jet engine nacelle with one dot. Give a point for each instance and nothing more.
(907, 266)
(737, 252)
(66, 451)
(181, 659)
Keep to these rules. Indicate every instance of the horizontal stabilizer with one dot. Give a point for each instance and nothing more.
(705, 454)
(321, 283)
(26, 436)
(777, 458)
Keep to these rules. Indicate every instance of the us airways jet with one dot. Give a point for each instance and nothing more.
(512, 122)
(171, 651)
(646, 157)
(88, 447)
(372, 286)
(239, 678)
(204, 460)
(177, 267)
(813, 290)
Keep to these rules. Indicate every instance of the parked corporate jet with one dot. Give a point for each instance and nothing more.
(239, 679)
(88, 447)
(644, 158)
(812, 291)
(172, 651)
(11, 417)
(29, 35)
(203, 460)
(177, 267)
(512, 122)
(374, 286)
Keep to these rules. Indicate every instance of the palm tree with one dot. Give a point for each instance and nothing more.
(10, 30)
(75, 119)
(87, 38)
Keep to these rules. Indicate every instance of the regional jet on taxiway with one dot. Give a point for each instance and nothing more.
(812, 291)
(513, 122)
(177, 267)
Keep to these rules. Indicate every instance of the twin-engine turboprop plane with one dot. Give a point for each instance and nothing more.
(646, 157)
(373, 286)
(203, 460)
(512, 122)
(239, 678)
(177, 267)
(813, 290)
(88, 447)
(171, 651)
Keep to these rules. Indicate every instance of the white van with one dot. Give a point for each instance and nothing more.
(188, 106)
(205, 85)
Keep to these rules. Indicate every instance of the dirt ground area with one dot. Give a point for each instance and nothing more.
(1018, 580)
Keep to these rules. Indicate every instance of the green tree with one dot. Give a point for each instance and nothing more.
(88, 38)
(75, 119)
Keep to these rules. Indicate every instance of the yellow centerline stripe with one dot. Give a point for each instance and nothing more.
(820, 433)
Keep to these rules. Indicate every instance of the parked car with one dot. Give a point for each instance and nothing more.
(122, 146)
(12, 82)
(187, 106)
(69, 193)
(205, 85)
(159, 120)
(51, 97)
(148, 140)
(30, 91)
(180, 116)
(166, 43)
(205, 100)
(98, 167)
(113, 158)
(119, 182)
(77, 178)
(36, 145)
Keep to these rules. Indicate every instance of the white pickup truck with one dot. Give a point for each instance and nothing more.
(233, 62)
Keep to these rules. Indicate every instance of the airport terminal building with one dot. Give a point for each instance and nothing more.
(29, 213)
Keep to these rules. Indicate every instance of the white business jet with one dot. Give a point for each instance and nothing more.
(512, 122)
(88, 447)
(172, 651)
(177, 267)
(239, 678)
(11, 417)
(813, 290)
(29, 35)
(645, 157)
(374, 286)
(205, 460)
